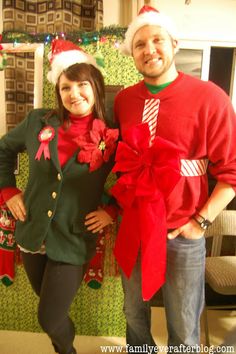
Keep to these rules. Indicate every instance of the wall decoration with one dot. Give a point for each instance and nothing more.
(19, 87)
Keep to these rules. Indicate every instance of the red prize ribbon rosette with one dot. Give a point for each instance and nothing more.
(148, 176)
(45, 135)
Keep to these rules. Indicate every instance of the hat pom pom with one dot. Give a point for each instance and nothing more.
(49, 77)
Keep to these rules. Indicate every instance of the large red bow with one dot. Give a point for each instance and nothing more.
(149, 174)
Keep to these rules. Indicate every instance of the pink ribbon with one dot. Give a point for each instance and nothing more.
(43, 148)
(45, 135)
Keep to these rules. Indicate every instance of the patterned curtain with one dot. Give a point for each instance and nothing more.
(19, 87)
(37, 16)
(51, 16)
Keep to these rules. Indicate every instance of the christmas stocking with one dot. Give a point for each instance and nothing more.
(7, 246)
(94, 275)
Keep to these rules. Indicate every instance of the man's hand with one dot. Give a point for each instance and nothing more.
(191, 230)
(17, 207)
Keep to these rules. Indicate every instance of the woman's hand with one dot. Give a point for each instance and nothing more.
(191, 230)
(97, 220)
(17, 207)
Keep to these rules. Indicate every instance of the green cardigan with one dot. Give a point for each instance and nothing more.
(57, 199)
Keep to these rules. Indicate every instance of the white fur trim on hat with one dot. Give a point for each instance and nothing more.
(63, 60)
(151, 18)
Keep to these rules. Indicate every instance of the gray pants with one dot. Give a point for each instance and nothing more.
(56, 285)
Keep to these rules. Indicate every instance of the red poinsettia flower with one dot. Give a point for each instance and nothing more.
(98, 145)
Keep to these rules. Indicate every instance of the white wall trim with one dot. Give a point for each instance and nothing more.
(38, 76)
(233, 82)
(2, 104)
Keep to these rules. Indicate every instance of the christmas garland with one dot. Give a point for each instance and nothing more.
(80, 37)
(113, 34)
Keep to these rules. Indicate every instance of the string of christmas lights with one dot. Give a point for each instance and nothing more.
(79, 37)
(112, 34)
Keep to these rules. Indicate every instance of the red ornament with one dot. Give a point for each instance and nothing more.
(103, 39)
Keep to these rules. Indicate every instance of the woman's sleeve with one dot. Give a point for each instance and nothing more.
(7, 193)
(10, 145)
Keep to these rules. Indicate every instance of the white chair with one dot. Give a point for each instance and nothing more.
(221, 270)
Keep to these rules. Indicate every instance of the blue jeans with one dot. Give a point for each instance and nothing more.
(183, 295)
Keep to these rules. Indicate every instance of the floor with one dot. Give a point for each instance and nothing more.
(222, 325)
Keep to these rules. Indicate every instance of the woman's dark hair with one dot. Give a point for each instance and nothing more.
(83, 72)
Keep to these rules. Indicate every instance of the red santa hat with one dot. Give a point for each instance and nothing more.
(147, 16)
(64, 54)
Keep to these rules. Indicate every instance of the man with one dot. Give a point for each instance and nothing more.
(199, 119)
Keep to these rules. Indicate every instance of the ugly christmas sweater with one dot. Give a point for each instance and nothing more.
(199, 119)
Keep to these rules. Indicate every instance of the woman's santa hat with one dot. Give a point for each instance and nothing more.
(147, 16)
(64, 54)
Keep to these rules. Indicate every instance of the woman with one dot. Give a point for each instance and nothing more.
(70, 155)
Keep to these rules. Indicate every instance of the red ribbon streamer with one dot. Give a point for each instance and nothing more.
(43, 148)
(45, 136)
(149, 174)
